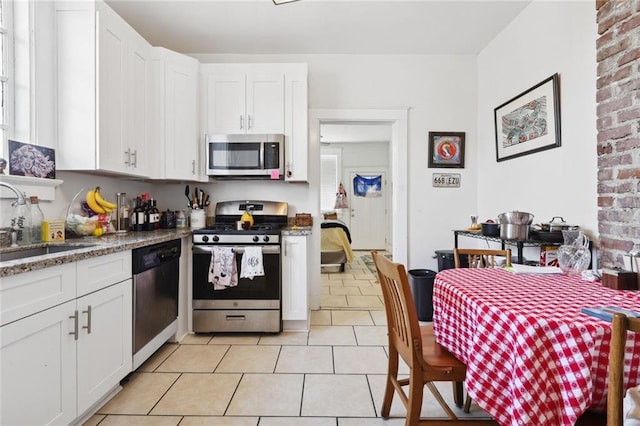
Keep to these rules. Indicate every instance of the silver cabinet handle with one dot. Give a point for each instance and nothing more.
(241, 122)
(248, 122)
(286, 244)
(74, 333)
(193, 167)
(134, 154)
(88, 326)
(128, 154)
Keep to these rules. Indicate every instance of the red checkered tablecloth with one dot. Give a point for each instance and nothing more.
(532, 358)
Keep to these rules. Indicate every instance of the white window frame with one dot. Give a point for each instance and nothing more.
(6, 74)
(337, 154)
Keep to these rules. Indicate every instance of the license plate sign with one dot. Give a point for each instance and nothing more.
(446, 180)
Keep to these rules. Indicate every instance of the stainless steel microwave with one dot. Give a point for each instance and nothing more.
(247, 155)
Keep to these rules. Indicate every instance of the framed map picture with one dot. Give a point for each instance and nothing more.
(446, 149)
(530, 122)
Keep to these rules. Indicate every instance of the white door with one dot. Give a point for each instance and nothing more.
(38, 359)
(105, 341)
(265, 103)
(368, 215)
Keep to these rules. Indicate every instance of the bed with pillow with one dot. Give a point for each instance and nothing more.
(335, 246)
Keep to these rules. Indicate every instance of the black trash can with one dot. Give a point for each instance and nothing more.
(446, 260)
(421, 283)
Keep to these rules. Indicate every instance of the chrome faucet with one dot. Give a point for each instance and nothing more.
(19, 201)
(19, 195)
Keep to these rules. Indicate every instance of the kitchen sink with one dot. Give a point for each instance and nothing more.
(39, 251)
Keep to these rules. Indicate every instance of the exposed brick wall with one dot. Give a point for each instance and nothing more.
(618, 97)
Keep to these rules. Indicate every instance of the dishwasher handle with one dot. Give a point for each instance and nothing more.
(165, 254)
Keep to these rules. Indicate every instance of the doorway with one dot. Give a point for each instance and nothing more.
(397, 175)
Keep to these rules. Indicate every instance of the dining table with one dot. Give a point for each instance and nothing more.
(532, 356)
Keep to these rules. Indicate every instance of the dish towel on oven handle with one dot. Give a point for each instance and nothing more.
(252, 263)
(223, 272)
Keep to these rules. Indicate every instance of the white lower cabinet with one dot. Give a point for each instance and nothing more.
(295, 304)
(104, 353)
(58, 362)
(38, 359)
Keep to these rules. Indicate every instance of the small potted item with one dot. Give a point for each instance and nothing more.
(490, 228)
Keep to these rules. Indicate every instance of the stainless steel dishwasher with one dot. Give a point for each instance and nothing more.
(156, 272)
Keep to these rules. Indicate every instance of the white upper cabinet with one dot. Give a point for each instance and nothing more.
(259, 98)
(176, 115)
(243, 98)
(103, 91)
(296, 128)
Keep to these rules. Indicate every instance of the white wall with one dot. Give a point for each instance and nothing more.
(441, 94)
(547, 37)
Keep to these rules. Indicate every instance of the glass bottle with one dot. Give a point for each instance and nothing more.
(21, 221)
(153, 216)
(138, 217)
(37, 220)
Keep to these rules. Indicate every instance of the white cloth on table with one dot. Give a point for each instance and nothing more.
(252, 265)
(223, 272)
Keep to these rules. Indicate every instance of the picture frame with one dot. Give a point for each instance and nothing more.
(446, 149)
(529, 122)
(31, 160)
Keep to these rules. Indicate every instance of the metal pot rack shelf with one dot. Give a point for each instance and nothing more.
(519, 244)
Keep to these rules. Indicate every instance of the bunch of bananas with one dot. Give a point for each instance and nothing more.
(97, 203)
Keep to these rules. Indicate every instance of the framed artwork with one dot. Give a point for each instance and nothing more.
(31, 160)
(446, 149)
(530, 122)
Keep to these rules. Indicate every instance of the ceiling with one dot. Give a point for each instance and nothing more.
(319, 26)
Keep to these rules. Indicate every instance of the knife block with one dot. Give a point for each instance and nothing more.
(620, 280)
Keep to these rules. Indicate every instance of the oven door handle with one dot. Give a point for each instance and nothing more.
(238, 249)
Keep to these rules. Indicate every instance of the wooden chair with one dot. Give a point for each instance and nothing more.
(428, 361)
(621, 324)
(481, 258)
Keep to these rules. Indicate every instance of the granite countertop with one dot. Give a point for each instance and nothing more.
(100, 246)
(297, 230)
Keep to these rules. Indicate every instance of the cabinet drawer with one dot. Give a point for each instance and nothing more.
(25, 294)
(102, 271)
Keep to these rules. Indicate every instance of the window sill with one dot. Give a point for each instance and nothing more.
(44, 189)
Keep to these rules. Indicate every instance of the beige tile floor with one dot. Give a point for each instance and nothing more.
(355, 288)
(332, 375)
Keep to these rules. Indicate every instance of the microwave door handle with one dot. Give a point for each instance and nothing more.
(262, 153)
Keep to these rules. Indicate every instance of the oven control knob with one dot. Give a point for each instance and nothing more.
(215, 238)
(205, 238)
(266, 239)
(256, 239)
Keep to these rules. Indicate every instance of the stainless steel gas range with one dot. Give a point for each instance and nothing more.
(252, 305)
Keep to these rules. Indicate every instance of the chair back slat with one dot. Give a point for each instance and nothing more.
(621, 325)
(401, 313)
(481, 258)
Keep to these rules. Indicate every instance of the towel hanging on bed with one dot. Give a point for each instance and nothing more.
(223, 272)
(341, 198)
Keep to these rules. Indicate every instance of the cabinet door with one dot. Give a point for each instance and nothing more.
(38, 360)
(295, 304)
(112, 71)
(181, 133)
(139, 98)
(225, 103)
(104, 345)
(265, 103)
(296, 127)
